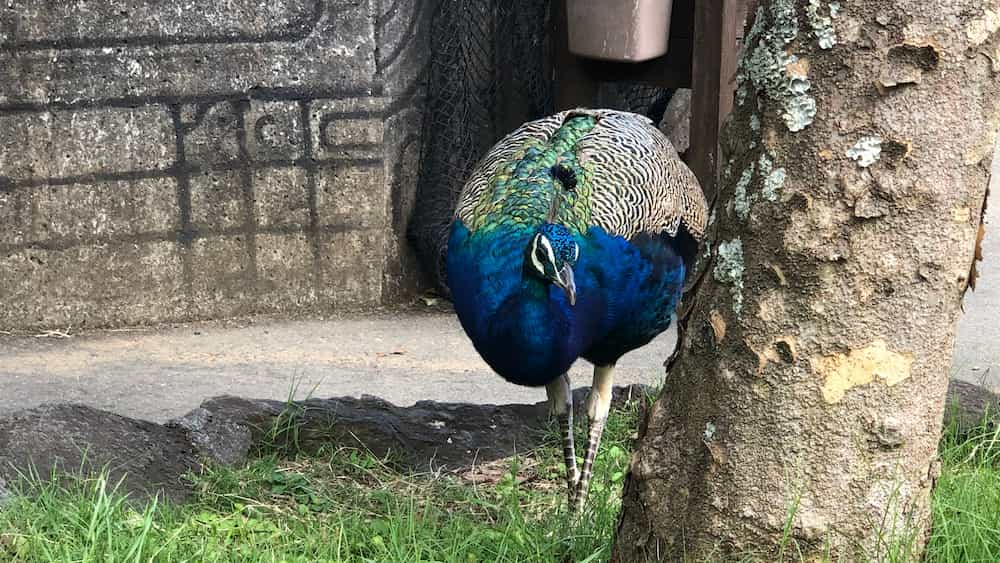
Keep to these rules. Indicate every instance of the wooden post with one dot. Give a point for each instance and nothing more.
(716, 24)
(574, 86)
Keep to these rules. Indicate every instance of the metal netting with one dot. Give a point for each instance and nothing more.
(636, 97)
(489, 72)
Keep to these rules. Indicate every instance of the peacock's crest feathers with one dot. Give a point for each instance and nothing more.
(564, 248)
(585, 168)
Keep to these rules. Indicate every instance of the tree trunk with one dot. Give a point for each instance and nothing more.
(802, 415)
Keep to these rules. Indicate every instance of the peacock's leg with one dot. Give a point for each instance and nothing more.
(598, 406)
(561, 401)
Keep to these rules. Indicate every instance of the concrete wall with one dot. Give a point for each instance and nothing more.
(168, 160)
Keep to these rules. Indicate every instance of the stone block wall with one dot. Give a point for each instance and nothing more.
(167, 160)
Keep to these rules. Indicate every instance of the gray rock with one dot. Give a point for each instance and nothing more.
(219, 440)
(5, 495)
(426, 436)
(676, 122)
(969, 405)
(153, 459)
(75, 438)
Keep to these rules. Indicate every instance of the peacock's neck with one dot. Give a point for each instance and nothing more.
(524, 329)
(531, 337)
(541, 315)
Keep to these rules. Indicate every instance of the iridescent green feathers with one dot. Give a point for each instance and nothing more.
(625, 177)
(531, 185)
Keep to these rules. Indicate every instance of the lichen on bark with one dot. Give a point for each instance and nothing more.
(821, 22)
(729, 268)
(767, 67)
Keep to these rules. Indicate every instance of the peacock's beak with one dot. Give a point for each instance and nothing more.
(567, 283)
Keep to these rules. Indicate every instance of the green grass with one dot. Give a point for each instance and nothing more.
(337, 505)
(347, 505)
(966, 500)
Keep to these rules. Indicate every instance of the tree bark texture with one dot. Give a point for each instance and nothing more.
(807, 398)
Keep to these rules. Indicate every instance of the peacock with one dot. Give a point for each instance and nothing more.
(572, 239)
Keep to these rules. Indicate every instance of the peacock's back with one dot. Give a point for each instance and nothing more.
(627, 177)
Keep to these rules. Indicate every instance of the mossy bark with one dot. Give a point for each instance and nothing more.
(803, 412)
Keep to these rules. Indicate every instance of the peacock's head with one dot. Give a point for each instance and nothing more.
(551, 255)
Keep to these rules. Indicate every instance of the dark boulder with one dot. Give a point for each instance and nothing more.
(428, 436)
(80, 439)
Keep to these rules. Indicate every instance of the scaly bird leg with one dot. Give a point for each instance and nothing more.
(561, 401)
(598, 406)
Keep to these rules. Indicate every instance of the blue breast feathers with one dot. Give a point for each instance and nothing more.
(527, 331)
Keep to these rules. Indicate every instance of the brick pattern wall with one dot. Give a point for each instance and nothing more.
(166, 163)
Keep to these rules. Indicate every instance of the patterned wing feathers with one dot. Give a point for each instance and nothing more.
(640, 184)
(633, 180)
